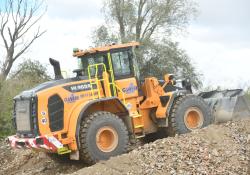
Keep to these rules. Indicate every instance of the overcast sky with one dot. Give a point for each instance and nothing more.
(218, 41)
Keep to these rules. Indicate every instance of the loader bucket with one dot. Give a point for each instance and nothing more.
(227, 104)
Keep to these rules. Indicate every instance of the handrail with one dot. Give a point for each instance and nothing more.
(123, 97)
(111, 73)
(96, 81)
(96, 77)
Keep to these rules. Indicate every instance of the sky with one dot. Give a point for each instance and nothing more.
(218, 40)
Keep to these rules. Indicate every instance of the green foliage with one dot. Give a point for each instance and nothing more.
(143, 19)
(101, 36)
(32, 71)
(27, 75)
(166, 57)
(146, 22)
(247, 93)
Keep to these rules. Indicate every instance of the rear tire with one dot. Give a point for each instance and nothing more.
(102, 135)
(188, 113)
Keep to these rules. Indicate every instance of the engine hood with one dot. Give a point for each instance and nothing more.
(32, 92)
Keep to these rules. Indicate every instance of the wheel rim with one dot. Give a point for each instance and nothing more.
(193, 118)
(106, 139)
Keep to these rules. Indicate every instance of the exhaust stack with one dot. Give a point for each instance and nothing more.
(57, 69)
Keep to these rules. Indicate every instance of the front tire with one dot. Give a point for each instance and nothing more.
(102, 135)
(188, 113)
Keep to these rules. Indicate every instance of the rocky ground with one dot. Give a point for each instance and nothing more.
(27, 162)
(217, 149)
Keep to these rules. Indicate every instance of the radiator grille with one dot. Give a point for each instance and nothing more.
(22, 112)
(56, 112)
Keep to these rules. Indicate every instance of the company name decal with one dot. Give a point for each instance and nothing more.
(79, 87)
(73, 98)
(130, 89)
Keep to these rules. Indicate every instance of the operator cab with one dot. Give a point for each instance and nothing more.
(116, 62)
(118, 58)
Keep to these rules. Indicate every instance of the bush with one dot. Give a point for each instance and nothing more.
(28, 74)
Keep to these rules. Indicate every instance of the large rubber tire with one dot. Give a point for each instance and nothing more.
(92, 126)
(177, 120)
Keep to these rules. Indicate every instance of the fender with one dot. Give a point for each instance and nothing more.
(174, 96)
(79, 113)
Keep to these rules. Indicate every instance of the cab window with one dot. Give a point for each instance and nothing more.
(90, 60)
(121, 64)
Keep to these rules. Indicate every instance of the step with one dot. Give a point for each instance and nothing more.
(139, 136)
(63, 150)
(136, 116)
(138, 126)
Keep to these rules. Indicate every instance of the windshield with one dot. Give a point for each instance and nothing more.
(84, 62)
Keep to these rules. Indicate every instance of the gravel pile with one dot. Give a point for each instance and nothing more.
(28, 162)
(217, 149)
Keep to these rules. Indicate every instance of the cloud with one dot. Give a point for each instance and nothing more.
(224, 13)
(226, 21)
(69, 24)
(222, 63)
(60, 39)
(74, 9)
(218, 41)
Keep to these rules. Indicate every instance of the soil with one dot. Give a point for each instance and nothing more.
(216, 149)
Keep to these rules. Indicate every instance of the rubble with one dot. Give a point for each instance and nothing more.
(217, 149)
(28, 162)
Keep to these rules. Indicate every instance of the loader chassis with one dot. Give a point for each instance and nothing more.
(93, 115)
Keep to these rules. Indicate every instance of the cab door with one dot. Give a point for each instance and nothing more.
(124, 75)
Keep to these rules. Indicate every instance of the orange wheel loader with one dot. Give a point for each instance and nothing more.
(94, 115)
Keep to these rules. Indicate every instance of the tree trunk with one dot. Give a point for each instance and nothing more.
(17, 19)
(122, 32)
(5, 73)
(1, 81)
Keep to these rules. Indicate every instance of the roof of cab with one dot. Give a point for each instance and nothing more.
(104, 48)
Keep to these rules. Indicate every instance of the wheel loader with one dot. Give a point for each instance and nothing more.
(94, 115)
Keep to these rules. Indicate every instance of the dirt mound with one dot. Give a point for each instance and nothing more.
(29, 162)
(217, 149)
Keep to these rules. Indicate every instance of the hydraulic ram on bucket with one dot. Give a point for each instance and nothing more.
(227, 104)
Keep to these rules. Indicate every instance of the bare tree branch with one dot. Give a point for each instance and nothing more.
(27, 45)
(4, 20)
(148, 16)
(17, 19)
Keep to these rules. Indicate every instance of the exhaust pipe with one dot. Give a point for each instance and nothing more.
(57, 69)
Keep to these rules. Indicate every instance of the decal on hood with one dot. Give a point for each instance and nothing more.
(79, 87)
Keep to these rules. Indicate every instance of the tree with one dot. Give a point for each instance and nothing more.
(18, 18)
(176, 61)
(152, 23)
(101, 36)
(141, 19)
(27, 75)
(33, 71)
